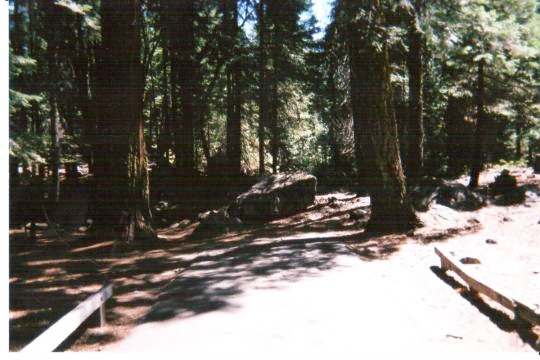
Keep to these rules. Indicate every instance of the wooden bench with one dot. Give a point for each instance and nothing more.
(51, 338)
(520, 309)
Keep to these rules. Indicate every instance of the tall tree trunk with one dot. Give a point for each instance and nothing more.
(477, 161)
(263, 80)
(56, 152)
(519, 151)
(332, 133)
(275, 35)
(122, 184)
(234, 101)
(519, 137)
(51, 12)
(359, 68)
(86, 102)
(455, 136)
(187, 77)
(274, 130)
(415, 128)
(390, 208)
(164, 138)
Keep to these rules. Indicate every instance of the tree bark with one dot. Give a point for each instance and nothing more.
(519, 125)
(455, 136)
(415, 128)
(274, 131)
(56, 152)
(391, 209)
(122, 184)
(164, 137)
(86, 101)
(263, 80)
(477, 161)
(275, 35)
(332, 133)
(187, 77)
(359, 68)
(51, 13)
(234, 101)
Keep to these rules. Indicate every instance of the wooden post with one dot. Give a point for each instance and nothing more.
(102, 318)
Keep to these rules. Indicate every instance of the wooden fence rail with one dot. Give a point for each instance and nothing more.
(51, 338)
(522, 311)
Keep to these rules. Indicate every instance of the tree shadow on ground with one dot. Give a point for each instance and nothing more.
(498, 317)
(182, 277)
(216, 276)
(55, 275)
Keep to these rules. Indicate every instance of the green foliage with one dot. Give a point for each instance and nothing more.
(504, 34)
(18, 100)
(29, 148)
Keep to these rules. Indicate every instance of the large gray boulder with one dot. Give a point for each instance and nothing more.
(276, 196)
(448, 193)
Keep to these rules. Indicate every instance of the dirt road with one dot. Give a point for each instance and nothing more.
(314, 295)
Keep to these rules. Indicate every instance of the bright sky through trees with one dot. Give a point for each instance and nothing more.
(322, 9)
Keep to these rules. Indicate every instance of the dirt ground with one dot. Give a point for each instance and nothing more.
(294, 284)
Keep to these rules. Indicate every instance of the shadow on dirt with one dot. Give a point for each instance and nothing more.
(217, 275)
(49, 278)
(53, 277)
(499, 318)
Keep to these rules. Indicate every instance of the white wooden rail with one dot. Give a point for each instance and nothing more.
(522, 311)
(51, 338)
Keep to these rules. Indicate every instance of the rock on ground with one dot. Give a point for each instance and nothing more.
(448, 193)
(217, 221)
(276, 196)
